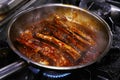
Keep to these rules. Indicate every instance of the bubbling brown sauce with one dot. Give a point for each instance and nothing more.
(60, 42)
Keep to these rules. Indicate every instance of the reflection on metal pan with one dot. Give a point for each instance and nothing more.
(94, 29)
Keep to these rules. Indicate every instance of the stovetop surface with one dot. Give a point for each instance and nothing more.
(108, 68)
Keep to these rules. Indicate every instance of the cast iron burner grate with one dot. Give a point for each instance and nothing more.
(106, 69)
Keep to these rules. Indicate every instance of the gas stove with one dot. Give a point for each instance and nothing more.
(108, 68)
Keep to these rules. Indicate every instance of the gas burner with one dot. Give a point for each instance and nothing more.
(44, 74)
(53, 75)
(50, 74)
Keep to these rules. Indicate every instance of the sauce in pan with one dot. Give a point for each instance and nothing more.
(60, 42)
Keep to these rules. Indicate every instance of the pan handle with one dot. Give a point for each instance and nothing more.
(11, 68)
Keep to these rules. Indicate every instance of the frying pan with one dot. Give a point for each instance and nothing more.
(27, 17)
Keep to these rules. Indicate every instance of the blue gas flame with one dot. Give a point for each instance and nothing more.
(59, 75)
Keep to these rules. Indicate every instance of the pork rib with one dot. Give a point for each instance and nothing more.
(62, 45)
(80, 32)
(44, 49)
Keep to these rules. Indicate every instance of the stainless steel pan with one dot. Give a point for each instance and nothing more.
(19, 23)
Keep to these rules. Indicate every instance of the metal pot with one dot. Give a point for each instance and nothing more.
(19, 23)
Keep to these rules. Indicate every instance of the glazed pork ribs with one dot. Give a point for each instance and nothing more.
(58, 40)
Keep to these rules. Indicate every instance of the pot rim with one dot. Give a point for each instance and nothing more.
(110, 35)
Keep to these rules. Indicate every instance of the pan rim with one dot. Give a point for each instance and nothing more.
(110, 35)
